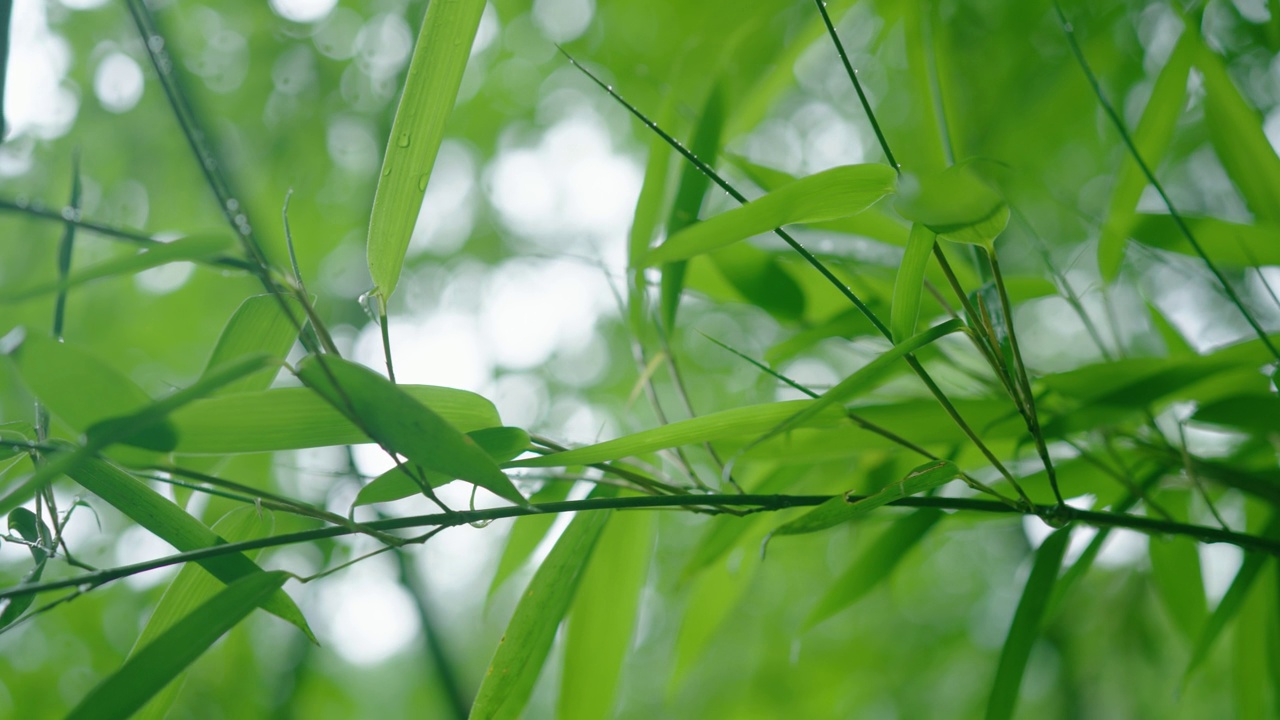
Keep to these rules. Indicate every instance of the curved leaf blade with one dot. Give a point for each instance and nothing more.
(501, 443)
(839, 510)
(910, 282)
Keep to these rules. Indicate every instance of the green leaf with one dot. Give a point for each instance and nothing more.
(523, 649)
(435, 73)
(188, 249)
(401, 424)
(839, 510)
(526, 532)
(258, 326)
(170, 523)
(193, 586)
(830, 194)
(689, 193)
(738, 422)
(761, 280)
(33, 530)
(149, 670)
(910, 282)
(1152, 137)
(875, 564)
(501, 443)
(1235, 128)
(1025, 628)
(956, 204)
(603, 618)
(295, 418)
(6, 16)
(1175, 568)
(1226, 243)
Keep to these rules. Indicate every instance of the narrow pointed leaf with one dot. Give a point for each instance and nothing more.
(431, 87)
(523, 649)
(192, 586)
(170, 523)
(401, 424)
(835, 193)
(33, 530)
(144, 674)
(840, 510)
(1152, 136)
(258, 326)
(875, 564)
(1025, 629)
(910, 282)
(188, 249)
(761, 280)
(526, 533)
(501, 443)
(955, 203)
(296, 418)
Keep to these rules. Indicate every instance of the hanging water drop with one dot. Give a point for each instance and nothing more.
(403, 140)
(422, 182)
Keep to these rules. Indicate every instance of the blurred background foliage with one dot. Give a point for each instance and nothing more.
(510, 291)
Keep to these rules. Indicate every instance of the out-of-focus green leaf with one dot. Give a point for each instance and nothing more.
(401, 424)
(1175, 568)
(193, 586)
(726, 530)
(835, 193)
(840, 510)
(876, 563)
(526, 532)
(688, 202)
(144, 674)
(501, 443)
(259, 326)
(1228, 244)
(294, 418)
(6, 16)
(175, 526)
(32, 529)
(1254, 413)
(197, 247)
(910, 282)
(1025, 628)
(1235, 128)
(15, 432)
(523, 649)
(737, 422)
(603, 618)
(1155, 130)
(761, 280)
(956, 204)
(435, 73)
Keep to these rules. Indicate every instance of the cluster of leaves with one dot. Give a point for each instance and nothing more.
(947, 424)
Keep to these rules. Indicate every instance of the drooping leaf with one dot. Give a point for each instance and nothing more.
(501, 443)
(170, 523)
(144, 674)
(956, 204)
(295, 418)
(401, 424)
(835, 193)
(876, 563)
(523, 649)
(603, 618)
(259, 326)
(192, 586)
(688, 201)
(761, 280)
(431, 87)
(1175, 568)
(1152, 136)
(1025, 628)
(910, 282)
(526, 532)
(188, 249)
(34, 530)
(840, 510)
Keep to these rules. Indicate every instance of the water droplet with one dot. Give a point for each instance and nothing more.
(233, 205)
(156, 43)
(403, 140)
(241, 219)
(21, 201)
(386, 170)
(70, 214)
(422, 182)
(609, 88)
(1068, 27)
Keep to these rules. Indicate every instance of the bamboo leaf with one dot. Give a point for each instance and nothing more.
(1025, 628)
(401, 424)
(193, 586)
(1152, 137)
(295, 418)
(1230, 244)
(839, 510)
(761, 280)
(188, 249)
(259, 326)
(32, 529)
(526, 532)
(956, 204)
(148, 671)
(523, 649)
(835, 193)
(910, 282)
(875, 564)
(170, 523)
(435, 73)
(501, 443)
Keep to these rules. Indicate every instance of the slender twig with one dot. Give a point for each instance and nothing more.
(853, 77)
